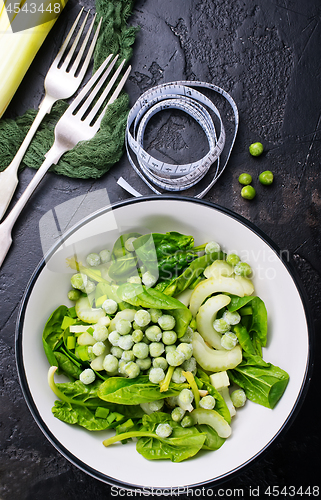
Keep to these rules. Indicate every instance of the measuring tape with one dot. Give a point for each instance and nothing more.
(176, 177)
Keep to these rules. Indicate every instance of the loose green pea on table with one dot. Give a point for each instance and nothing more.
(256, 149)
(245, 179)
(266, 177)
(248, 192)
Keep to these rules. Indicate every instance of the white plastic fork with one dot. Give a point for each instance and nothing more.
(61, 82)
(78, 123)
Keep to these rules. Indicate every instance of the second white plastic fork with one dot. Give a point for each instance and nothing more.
(80, 122)
(61, 82)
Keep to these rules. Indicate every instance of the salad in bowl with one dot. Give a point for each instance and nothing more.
(163, 342)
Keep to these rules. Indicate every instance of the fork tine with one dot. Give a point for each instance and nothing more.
(75, 43)
(67, 39)
(114, 96)
(118, 88)
(90, 84)
(76, 62)
(90, 51)
(105, 93)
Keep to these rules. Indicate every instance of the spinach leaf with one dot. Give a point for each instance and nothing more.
(165, 255)
(146, 253)
(155, 299)
(129, 411)
(65, 412)
(49, 353)
(123, 268)
(183, 443)
(85, 416)
(159, 245)
(66, 365)
(213, 441)
(193, 271)
(124, 262)
(172, 266)
(256, 323)
(140, 296)
(259, 322)
(262, 384)
(129, 292)
(81, 415)
(246, 321)
(170, 242)
(78, 394)
(53, 333)
(249, 349)
(238, 302)
(135, 391)
(160, 254)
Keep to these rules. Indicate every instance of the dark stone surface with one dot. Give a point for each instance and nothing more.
(267, 55)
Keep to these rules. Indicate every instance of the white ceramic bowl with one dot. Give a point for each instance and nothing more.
(254, 427)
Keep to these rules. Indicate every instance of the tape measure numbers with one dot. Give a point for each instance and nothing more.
(177, 177)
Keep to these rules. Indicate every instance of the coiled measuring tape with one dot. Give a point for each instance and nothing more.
(177, 177)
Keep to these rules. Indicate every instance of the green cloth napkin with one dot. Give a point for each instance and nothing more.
(89, 159)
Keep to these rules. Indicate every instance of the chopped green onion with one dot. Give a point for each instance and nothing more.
(66, 322)
(101, 412)
(71, 342)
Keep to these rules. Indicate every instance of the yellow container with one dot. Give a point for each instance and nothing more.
(18, 49)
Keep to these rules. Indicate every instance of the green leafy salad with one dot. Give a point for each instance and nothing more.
(163, 344)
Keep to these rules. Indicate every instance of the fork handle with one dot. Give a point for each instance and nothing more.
(6, 226)
(9, 177)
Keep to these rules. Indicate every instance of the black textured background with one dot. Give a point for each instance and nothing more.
(267, 55)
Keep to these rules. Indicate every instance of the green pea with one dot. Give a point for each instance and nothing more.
(245, 179)
(74, 294)
(242, 269)
(266, 177)
(232, 259)
(256, 149)
(187, 421)
(248, 192)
